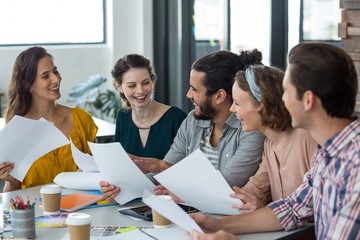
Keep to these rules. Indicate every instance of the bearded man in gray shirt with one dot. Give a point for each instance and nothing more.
(211, 126)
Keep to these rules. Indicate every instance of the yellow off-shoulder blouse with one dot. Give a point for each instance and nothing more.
(45, 169)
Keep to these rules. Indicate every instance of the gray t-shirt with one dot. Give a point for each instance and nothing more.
(239, 152)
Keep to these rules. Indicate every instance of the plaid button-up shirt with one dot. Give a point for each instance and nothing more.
(330, 191)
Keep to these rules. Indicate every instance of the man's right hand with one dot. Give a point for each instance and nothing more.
(206, 222)
(150, 165)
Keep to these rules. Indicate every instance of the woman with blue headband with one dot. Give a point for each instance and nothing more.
(257, 94)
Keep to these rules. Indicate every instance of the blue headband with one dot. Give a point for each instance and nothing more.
(250, 78)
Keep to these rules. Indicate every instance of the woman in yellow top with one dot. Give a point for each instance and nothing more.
(33, 91)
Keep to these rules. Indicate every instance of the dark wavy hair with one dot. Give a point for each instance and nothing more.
(220, 68)
(124, 64)
(273, 112)
(328, 72)
(22, 78)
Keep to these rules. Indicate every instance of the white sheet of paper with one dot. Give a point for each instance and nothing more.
(210, 194)
(171, 211)
(84, 161)
(199, 184)
(24, 140)
(173, 233)
(187, 171)
(79, 180)
(131, 205)
(117, 168)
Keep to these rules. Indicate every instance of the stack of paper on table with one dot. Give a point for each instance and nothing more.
(199, 184)
(117, 168)
(24, 140)
(79, 180)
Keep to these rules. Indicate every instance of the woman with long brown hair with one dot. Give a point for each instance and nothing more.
(33, 92)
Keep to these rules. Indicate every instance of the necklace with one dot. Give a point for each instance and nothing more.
(143, 128)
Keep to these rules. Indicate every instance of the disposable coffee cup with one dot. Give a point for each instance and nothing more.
(51, 197)
(159, 220)
(79, 226)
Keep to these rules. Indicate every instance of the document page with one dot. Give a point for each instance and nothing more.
(210, 194)
(84, 161)
(24, 140)
(195, 180)
(117, 168)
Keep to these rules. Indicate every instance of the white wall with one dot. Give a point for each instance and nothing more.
(129, 30)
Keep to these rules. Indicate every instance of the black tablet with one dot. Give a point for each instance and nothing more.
(138, 212)
(144, 212)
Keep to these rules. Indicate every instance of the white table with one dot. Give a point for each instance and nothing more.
(109, 216)
(100, 216)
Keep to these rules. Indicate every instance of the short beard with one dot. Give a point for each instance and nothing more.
(207, 112)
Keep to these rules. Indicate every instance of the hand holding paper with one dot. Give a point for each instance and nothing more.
(196, 181)
(117, 168)
(24, 140)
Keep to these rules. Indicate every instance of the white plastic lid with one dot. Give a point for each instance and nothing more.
(76, 219)
(50, 189)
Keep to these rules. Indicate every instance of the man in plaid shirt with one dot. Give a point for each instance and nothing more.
(320, 87)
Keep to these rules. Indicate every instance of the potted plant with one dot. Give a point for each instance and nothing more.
(91, 95)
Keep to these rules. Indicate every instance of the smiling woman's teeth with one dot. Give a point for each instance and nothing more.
(140, 98)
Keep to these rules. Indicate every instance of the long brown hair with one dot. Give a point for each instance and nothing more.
(22, 78)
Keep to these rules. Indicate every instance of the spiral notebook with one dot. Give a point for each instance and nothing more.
(76, 201)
